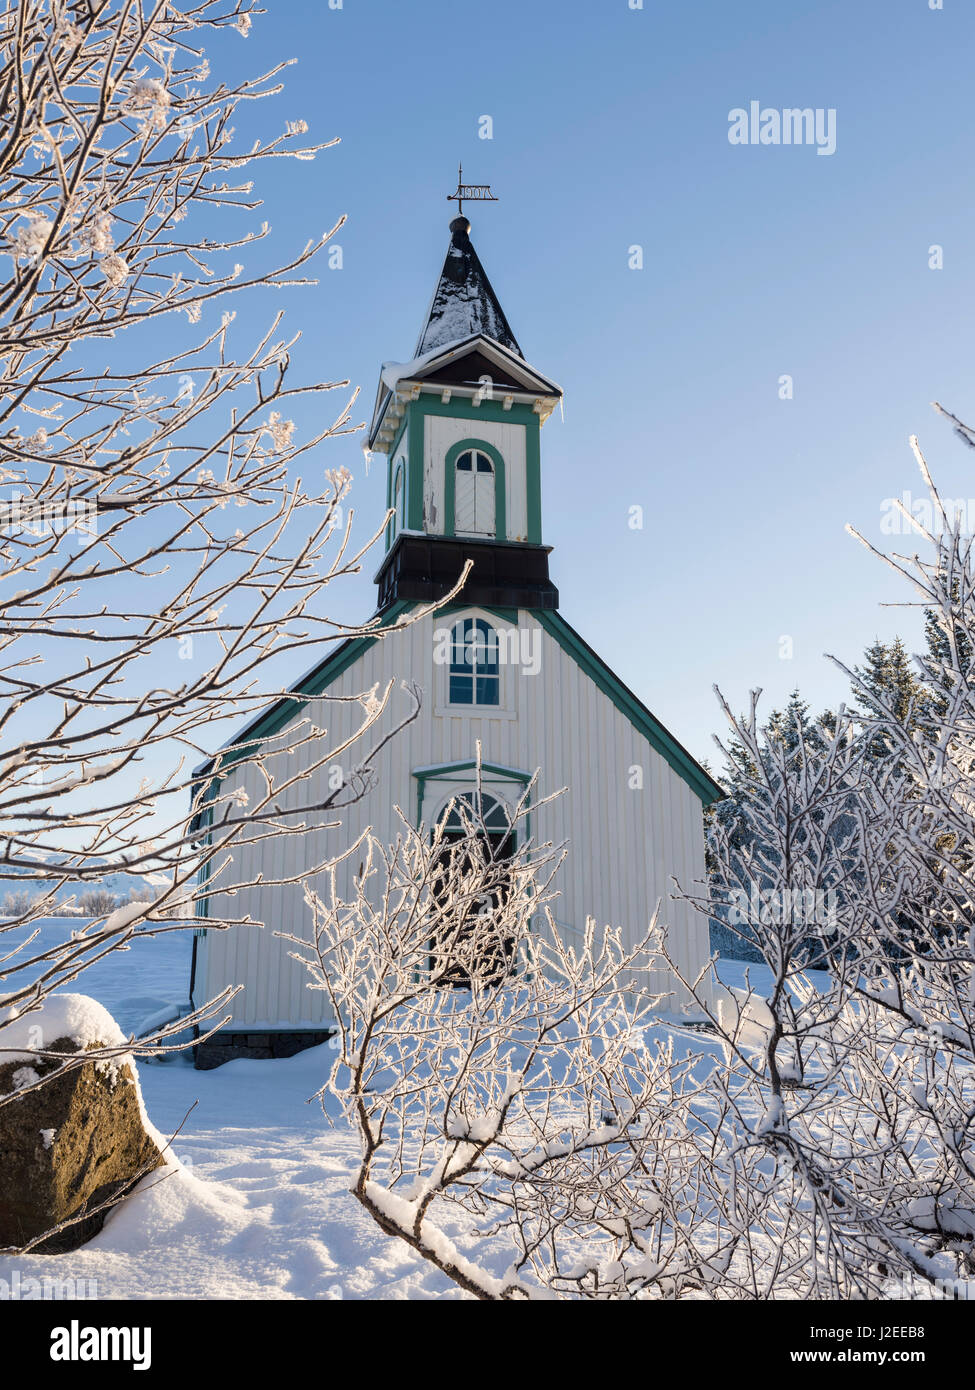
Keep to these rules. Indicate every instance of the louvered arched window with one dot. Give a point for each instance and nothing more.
(474, 494)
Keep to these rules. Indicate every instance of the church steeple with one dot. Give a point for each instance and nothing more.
(464, 302)
(460, 426)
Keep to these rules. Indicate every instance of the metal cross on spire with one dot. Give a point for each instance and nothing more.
(473, 192)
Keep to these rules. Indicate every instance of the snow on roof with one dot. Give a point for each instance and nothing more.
(395, 372)
(392, 374)
(464, 303)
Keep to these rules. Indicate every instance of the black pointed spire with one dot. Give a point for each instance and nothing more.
(464, 302)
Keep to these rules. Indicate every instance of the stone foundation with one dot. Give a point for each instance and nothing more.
(226, 1047)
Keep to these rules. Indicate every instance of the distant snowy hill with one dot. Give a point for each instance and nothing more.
(122, 885)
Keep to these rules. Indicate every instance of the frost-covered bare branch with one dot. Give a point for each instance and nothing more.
(168, 530)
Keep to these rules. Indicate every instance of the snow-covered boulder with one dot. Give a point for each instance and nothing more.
(79, 1140)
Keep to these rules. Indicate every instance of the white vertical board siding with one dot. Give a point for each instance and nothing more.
(442, 431)
(625, 845)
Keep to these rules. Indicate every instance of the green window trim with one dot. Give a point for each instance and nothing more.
(389, 494)
(394, 458)
(460, 773)
(398, 500)
(450, 478)
(443, 772)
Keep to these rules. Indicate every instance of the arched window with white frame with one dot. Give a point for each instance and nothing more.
(474, 494)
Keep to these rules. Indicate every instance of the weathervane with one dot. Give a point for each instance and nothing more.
(473, 192)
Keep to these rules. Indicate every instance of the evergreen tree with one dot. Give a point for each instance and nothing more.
(782, 736)
(894, 695)
(888, 687)
(793, 725)
(890, 682)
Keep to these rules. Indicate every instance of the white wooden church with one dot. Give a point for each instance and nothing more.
(460, 428)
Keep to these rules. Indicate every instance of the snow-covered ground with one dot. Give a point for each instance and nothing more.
(746, 975)
(258, 1204)
(130, 984)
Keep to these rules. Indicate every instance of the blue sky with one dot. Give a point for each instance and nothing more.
(610, 129)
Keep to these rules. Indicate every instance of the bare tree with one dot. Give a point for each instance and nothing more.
(818, 1141)
(544, 1110)
(161, 553)
(866, 1080)
(99, 902)
(17, 902)
(497, 1072)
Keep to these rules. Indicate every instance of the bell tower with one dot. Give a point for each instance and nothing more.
(460, 426)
